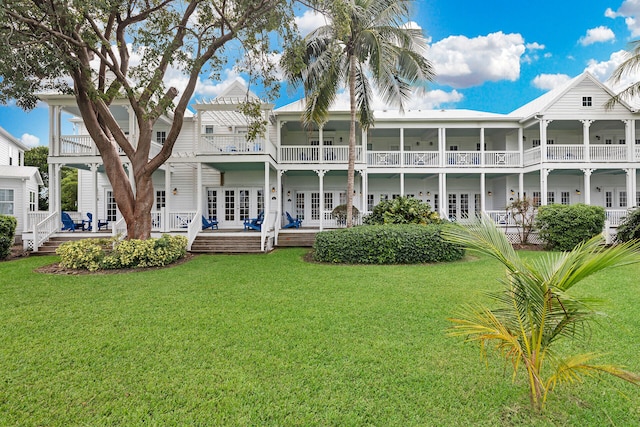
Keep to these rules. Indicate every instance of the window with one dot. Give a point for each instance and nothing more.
(436, 203)
(476, 203)
(161, 199)
(608, 141)
(33, 201)
(637, 198)
(453, 206)
(370, 202)
(315, 206)
(551, 197)
(244, 204)
(384, 197)
(565, 198)
(260, 201)
(587, 101)
(622, 196)
(229, 205)
(300, 205)
(535, 143)
(343, 198)
(395, 196)
(536, 198)
(10, 156)
(20, 162)
(6, 202)
(208, 129)
(478, 146)
(161, 136)
(453, 148)
(608, 199)
(464, 206)
(328, 201)
(622, 141)
(637, 141)
(111, 207)
(212, 203)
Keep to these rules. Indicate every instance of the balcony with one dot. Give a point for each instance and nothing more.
(305, 154)
(82, 145)
(231, 144)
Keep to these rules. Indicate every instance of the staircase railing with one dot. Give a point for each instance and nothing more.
(194, 227)
(119, 228)
(44, 229)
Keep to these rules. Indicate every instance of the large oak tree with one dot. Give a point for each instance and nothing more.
(85, 47)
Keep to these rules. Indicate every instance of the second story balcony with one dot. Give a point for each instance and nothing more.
(233, 144)
(83, 145)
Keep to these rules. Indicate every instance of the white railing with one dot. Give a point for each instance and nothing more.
(501, 217)
(329, 221)
(34, 218)
(220, 144)
(179, 221)
(76, 145)
(338, 154)
(299, 154)
(383, 158)
(422, 158)
(119, 228)
(636, 151)
(462, 158)
(565, 153)
(501, 158)
(615, 216)
(194, 228)
(44, 229)
(608, 153)
(157, 223)
(532, 156)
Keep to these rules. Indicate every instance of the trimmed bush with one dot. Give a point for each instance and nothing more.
(402, 210)
(8, 226)
(385, 244)
(629, 229)
(97, 254)
(562, 227)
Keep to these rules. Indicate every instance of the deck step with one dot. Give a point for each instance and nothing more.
(297, 239)
(49, 247)
(219, 243)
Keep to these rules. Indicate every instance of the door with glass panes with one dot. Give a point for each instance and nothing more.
(307, 207)
(463, 205)
(231, 206)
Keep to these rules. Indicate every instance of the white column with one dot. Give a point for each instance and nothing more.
(441, 146)
(365, 190)
(280, 201)
(197, 131)
(51, 172)
(543, 139)
(521, 186)
(544, 173)
(199, 200)
(168, 195)
(587, 185)
(321, 189)
(402, 184)
(267, 200)
(52, 133)
(521, 146)
(364, 148)
(94, 208)
(402, 151)
(321, 144)
(482, 146)
(585, 139)
(631, 195)
(628, 124)
(442, 189)
(483, 192)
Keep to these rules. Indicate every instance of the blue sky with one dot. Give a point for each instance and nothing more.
(491, 56)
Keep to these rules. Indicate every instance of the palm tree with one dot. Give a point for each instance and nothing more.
(629, 67)
(366, 40)
(535, 308)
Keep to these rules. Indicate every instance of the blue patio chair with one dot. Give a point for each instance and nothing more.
(69, 224)
(293, 222)
(209, 223)
(254, 223)
(102, 223)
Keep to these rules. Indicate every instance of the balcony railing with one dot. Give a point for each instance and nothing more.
(311, 154)
(76, 145)
(463, 158)
(230, 144)
(422, 158)
(608, 153)
(565, 153)
(383, 158)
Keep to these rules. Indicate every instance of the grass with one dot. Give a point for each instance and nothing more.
(271, 340)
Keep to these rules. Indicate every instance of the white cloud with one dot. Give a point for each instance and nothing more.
(599, 34)
(629, 10)
(462, 62)
(434, 99)
(602, 70)
(550, 81)
(535, 46)
(309, 21)
(30, 140)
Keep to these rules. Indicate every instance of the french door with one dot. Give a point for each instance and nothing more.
(231, 206)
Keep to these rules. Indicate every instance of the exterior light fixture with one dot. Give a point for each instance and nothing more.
(578, 191)
(489, 193)
(175, 191)
(273, 189)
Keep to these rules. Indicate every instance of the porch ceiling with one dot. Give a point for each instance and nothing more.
(239, 166)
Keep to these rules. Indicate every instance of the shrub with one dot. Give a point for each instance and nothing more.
(562, 227)
(402, 210)
(97, 254)
(385, 244)
(8, 226)
(629, 229)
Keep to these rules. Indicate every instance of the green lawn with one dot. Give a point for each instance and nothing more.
(271, 340)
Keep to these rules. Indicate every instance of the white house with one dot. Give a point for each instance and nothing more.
(18, 183)
(563, 147)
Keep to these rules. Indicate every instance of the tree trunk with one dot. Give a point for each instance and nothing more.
(352, 140)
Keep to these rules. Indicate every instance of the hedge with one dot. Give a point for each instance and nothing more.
(562, 227)
(98, 254)
(402, 210)
(385, 244)
(629, 229)
(8, 226)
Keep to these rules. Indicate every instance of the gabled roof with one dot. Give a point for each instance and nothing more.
(21, 172)
(544, 102)
(13, 139)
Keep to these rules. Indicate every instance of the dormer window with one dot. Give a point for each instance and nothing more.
(587, 101)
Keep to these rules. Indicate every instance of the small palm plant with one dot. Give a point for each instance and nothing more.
(535, 309)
